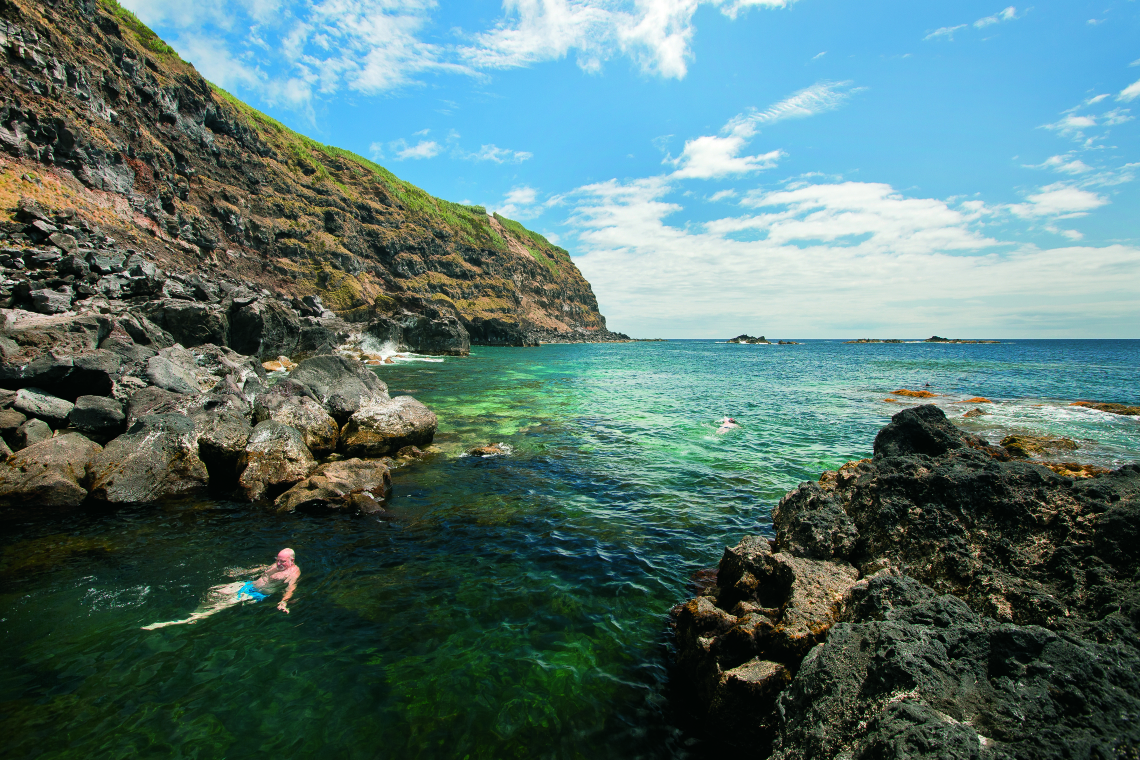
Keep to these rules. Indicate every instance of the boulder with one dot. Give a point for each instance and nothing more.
(319, 431)
(156, 458)
(1025, 446)
(48, 301)
(918, 430)
(380, 427)
(10, 420)
(51, 473)
(489, 450)
(152, 400)
(37, 403)
(30, 433)
(263, 329)
(340, 384)
(276, 459)
(172, 376)
(356, 484)
(190, 323)
(93, 373)
(222, 439)
(98, 414)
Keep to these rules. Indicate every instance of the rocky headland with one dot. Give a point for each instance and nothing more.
(940, 600)
(124, 382)
(100, 119)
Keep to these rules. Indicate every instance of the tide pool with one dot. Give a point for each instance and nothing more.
(505, 607)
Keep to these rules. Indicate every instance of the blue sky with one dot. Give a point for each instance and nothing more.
(793, 168)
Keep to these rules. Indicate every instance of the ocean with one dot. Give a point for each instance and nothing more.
(505, 607)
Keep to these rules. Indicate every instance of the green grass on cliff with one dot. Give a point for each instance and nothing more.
(142, 32)
(471, 222)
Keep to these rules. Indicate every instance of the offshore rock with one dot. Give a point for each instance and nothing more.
(358, 484)
(988, 590)
(379, 428)
(51, 473)
(155, 459)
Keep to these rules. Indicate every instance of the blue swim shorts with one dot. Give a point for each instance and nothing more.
(249, 590)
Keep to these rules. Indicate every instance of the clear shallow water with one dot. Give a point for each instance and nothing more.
(511, 607)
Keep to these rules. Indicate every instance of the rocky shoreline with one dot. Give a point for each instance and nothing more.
(125, 383)
(939, 600)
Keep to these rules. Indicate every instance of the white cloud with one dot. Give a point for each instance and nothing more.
(946, 31)
(1064, 164)
(711, 156)
(1008, 14)
(519, 203)
(499, 155)
(817, 56)
(423, 149)
(721, 195)
(655, 33)
(1058, 200)
(1130, 93)
(833, 259)
(1096, 99)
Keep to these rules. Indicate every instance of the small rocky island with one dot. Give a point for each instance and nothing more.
(751, 340)
(939, 600)
(931, 339)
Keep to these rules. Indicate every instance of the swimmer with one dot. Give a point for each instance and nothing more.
(728, 423)
(270, 579)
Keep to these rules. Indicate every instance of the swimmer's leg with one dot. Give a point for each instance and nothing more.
(218, 598)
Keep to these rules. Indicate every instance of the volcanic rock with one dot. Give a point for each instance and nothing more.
(50, 473)
(156, 458)
(356, 484)
(277, 458)
(386, 426)
(340, 384)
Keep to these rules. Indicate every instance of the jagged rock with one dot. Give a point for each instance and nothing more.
(51, 473)
(355, 484)
(923, 675)
(919, 430)
(93, 374)
(156, 458)
(38, 403)
(190, 323)
(10, 421)
(817, 527)
(97, 414)
(222, 440)
(264, 329)
(276, 459)
(30, 433)
(380, 427)
(169, 375)
(49, 301)
(319, 431)
(340, 384)
(152, 400)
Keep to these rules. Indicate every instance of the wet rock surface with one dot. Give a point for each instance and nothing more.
(386, 426)
(938, 600)
(358, 484)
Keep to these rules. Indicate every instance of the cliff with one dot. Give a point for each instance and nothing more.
(100, 116)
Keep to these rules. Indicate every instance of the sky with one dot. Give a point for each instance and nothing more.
(788, 168)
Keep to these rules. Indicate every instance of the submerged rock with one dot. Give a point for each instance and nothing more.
(1026, 446)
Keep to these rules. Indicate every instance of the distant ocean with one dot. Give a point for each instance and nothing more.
(513, 606)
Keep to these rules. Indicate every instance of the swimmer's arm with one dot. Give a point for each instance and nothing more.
(288, 593)
(237, 572)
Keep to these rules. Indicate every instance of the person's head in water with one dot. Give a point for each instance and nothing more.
(285, 559)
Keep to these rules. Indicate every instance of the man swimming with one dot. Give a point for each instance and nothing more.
(270, 579)
(728, 423)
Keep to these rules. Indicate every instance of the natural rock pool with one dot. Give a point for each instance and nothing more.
(512, 606)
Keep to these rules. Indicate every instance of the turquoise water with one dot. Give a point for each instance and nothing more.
(507, 607)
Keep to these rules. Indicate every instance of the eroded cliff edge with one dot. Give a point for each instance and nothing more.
(101, 116)
(937, 600)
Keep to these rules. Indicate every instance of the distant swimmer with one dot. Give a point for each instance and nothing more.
(728, 423)
(270, 579)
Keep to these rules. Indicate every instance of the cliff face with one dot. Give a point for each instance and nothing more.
(100, 116)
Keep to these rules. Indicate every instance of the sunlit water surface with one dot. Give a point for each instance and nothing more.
(510, 607)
